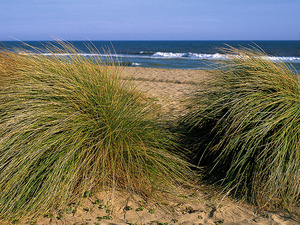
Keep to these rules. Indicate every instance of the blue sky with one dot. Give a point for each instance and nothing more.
(150, 19)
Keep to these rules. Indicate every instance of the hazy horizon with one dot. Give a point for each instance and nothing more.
(156, 20)
(87, 40)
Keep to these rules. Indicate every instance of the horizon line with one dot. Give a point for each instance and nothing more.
(53, 40)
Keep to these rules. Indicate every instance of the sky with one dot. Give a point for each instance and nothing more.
(149, 20)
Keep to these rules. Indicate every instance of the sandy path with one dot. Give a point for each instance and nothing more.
(169, 87)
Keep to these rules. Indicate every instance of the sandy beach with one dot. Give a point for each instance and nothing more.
(168, 87)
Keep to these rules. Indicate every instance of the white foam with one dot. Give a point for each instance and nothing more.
(145, 52)
(189, 55)
(216, 56)
(283, 59)
(171, 55)
(168, 55)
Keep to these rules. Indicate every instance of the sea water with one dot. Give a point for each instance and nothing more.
(199, 55)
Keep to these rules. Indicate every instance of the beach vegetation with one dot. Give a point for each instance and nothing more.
(127, 208)
(140, 208)
(151, 211)
(244, 128)
(97, 202)
(175, 220)
(69, 127)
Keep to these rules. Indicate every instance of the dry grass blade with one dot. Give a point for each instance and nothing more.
(69, 125)
(249, 121)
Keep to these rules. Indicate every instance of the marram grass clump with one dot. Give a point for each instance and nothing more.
(69, 125)
(248, 127)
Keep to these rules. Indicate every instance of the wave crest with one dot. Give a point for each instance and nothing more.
(172, 55)
(216, 56)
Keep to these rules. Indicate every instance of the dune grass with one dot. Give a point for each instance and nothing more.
(69, 125)
(246, 128)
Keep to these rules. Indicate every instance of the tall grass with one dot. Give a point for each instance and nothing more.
(247, 128)
(70, 125)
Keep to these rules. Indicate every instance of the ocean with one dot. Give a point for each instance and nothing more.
(198, 55)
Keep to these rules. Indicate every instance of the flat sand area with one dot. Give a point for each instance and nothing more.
(169, 87)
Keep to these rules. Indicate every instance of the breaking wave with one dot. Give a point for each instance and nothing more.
(172, 55)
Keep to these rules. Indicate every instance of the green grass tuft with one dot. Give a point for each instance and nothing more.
(247, 128)
(68, 126)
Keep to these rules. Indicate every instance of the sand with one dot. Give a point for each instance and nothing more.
(169, 87)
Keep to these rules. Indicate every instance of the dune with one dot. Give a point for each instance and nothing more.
(200, 206)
